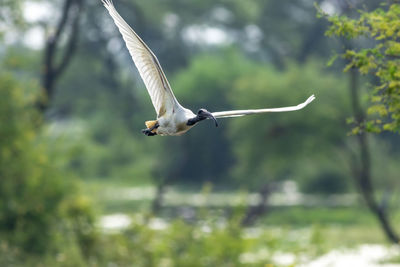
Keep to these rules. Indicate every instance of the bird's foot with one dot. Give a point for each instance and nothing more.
(151, 126)
(148, 132)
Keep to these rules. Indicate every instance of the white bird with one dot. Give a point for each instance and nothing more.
(172, 118)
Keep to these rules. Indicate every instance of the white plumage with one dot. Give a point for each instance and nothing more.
(172, 118)
(146, 62)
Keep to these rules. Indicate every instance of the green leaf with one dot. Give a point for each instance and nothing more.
(332, 60)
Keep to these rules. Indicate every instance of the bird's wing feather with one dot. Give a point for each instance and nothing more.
(150, 70)
(239, 113)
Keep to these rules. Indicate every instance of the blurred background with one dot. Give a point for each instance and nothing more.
(80, 185)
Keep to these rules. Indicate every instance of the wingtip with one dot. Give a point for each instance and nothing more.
(107, 3)
(310, 99)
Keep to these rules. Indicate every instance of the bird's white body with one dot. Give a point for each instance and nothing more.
(175, 123)
(172, 118)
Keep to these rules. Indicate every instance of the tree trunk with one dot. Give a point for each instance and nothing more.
(362, 166)
(254, 212)
(71, 14)
(158, 200)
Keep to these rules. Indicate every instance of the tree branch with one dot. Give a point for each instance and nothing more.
(72, 42)
(51, 71)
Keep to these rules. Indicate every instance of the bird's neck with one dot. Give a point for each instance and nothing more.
(195, 120)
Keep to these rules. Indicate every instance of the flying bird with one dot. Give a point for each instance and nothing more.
(172, 117)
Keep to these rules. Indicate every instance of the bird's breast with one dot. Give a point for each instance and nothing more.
(172, 126)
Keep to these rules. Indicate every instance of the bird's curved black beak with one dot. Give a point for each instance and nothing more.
(211, 116)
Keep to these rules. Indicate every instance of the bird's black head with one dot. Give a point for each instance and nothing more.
(202, 114)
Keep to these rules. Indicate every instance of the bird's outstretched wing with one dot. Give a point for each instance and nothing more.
(150, 70)
(238, 113)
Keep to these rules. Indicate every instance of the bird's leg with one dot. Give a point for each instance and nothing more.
(148, 132)
(151, 126)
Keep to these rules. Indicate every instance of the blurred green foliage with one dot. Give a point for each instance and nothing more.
(41, 212)
(254, 149)
(266, 145)
(207, 242)
(274, 58)
(10, 15)
(380, 60)
(179, 244)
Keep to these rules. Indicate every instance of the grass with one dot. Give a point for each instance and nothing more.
(303, 216)
(334, 226)
(107, 195)
(349, 236)
(392, 260)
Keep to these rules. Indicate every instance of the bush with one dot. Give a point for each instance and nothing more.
(41, 212)
(179, 244)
